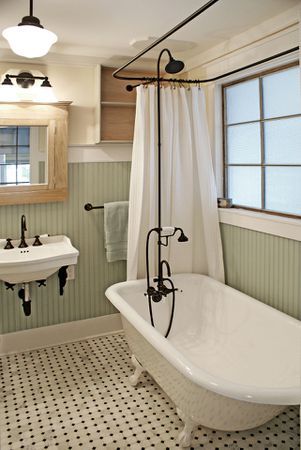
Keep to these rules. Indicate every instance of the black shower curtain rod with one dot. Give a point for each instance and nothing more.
(147, 80)
(161, 39)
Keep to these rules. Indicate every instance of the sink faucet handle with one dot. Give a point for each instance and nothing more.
(37, 241)
(8, 244)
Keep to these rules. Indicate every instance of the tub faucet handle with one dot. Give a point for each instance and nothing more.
(155, 295)
(164, 290)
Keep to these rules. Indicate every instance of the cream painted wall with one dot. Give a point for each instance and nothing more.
(73, 83)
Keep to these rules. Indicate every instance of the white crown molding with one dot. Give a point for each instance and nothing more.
(285, 23)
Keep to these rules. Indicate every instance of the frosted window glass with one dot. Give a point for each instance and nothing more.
(283, 141)
(244, 144)
(244, 186)
(243, 102)
(281, 93)
(283, 189)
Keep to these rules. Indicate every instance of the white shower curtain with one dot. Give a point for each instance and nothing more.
(189, 197)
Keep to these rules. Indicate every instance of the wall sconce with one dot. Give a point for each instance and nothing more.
(25, 80)
(29, 38)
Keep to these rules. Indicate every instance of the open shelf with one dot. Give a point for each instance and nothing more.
(117, 107)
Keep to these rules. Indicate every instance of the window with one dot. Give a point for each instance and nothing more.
(262, 141)
(14, 155)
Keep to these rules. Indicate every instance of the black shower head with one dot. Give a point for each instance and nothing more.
(174, 65)
(182, 237)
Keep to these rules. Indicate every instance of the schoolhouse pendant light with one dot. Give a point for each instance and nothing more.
(29, 38)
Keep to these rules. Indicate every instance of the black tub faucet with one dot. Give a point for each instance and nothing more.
(162, 263)
(23, 229)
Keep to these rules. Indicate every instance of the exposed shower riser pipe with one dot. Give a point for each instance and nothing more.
(160, 276)
(159, 167)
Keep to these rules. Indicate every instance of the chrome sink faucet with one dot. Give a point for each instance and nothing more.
(23, 229)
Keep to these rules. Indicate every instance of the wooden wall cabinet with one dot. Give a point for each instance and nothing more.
(54, 116)
(117, 107)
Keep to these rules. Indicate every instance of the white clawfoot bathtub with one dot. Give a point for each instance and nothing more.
(230, 362)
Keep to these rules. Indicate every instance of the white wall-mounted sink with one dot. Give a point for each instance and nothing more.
(22, 265)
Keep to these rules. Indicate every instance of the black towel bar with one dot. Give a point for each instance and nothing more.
(89, 207)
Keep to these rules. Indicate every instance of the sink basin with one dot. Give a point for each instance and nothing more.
(22, 265)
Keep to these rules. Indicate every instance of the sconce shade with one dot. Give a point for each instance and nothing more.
(45, 94)
(30, 41)
(8, 93)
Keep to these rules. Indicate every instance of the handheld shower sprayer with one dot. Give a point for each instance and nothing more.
(168, 232)
(182, 237)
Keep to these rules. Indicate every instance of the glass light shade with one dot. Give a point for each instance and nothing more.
(8, 93)
(29, 41)
(45, 95)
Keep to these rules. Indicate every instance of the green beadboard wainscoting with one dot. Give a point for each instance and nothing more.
(264, 266)
(84, 297)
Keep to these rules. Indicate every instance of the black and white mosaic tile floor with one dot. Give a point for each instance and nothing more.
(76, 396)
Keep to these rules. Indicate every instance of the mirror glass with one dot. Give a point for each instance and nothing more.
(23, 155)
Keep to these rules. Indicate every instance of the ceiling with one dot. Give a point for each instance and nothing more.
(103, 29)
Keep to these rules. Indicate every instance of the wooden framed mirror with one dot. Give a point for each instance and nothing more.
(33, 152)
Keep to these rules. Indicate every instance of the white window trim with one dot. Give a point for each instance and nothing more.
(262, 222)
(258, 221)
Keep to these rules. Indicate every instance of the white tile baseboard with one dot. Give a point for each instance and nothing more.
(49, 336)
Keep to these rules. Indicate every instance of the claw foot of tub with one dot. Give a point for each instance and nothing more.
(134, 379)
(185, 436)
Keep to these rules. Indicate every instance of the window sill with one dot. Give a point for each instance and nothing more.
(264, 223)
